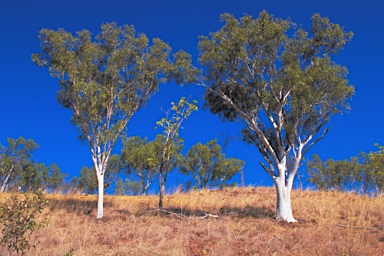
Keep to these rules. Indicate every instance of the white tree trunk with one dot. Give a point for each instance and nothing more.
(4, 186)
(100, 196)
(283, 205)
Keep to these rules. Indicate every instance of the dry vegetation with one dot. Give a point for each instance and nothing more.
(236, 221)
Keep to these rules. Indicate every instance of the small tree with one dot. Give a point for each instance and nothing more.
(372, 171)
(87, 182)
(137, 158)
(37, 176)
(209, 166)
(281, 84)
(18, 220)
(170, 141)
(106, 80)
(127, 187)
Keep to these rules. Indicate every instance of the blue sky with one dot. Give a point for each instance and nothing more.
(27, 93)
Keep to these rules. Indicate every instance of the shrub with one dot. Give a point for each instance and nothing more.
(18, 221)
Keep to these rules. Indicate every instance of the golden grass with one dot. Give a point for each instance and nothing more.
(330, 223)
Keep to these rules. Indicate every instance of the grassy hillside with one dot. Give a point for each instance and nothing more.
(236, 221)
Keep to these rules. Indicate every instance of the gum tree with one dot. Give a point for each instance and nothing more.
(334, 174)
(209, 166)
(105, 79)
(169, 143)
(137, 158)
(281, 82)
(19, 171)
(372, 170)
(13, 159)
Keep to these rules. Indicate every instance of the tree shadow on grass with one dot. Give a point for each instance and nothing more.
(77, 206)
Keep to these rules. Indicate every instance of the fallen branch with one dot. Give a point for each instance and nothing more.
(208, 215)
(182, 216)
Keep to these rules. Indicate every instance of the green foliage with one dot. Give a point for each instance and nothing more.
(127, 187)
(13, 159)
(209, 166)
(373, 171)
(333, 175)
(87, 183)
(18, 220)
(19, 172)
(169, 144)
(105, 80)
(145, 159)
(140, 158)
(278, 79)
(180, 112)
(364, 173)
(37, 176)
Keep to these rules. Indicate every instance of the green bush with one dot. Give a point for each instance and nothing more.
(18, 221)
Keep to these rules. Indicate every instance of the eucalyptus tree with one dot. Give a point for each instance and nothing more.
(37, 176)
(334, 174)
(280, 80)
(105, 79)
(13, 158)
(138, 158)
(127, 186)
(169, 143)
(19, 171)
(209, 166)
(372, 171)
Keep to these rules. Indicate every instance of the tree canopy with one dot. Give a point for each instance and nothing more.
(140, 158)
(209, 166)
(363, 173)
(333, 175)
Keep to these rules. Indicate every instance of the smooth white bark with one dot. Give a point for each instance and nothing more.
(283, 206)
(100, 197)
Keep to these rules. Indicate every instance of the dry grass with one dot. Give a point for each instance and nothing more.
(330, 223)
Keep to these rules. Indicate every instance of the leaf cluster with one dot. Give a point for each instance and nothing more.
(142, 159)
(209, 166)
(127, 187)
(373, 170)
